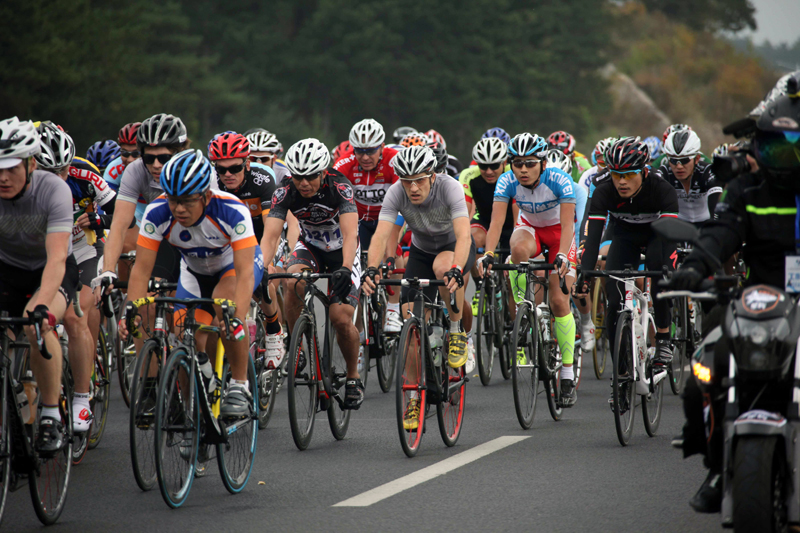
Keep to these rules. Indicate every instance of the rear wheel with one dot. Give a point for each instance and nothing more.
(601, 347)
(387, 362)
(336, 371)
(144, 390)
(760, 485)
(623, 385)
(683, 344)
(101, 389)
(303, 383)
(126, 367)
(267, 380)
(548, 362)
(652, 403)
(525, 372)
(235, 457)
(485, 331)
(410, 386)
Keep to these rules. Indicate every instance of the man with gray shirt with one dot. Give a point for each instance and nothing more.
(37, 270)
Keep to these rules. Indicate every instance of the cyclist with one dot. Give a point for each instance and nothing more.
(561, 140)
(655, 145)
(634, 197)
(253, 184)
(323, 201)
(434, 207)
(37, 269)
(220, 257)
(102, 153)
(662, 159)
(693, 179)
(401, 132)
(500, 133)
(453, 166)
(546, 200)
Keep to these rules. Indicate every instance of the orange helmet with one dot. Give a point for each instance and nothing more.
(415, 139)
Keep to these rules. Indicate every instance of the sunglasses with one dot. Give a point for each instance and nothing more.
(175, 201)
(366, 151)
(149, 159)
(528, 164)
(416, 181)
(309, 178)
(261, 159)
(680, 160)
(233, 169)
(125, 153)
(488, 166)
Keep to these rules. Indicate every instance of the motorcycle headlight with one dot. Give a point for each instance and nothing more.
(759, 335)
(702, 372)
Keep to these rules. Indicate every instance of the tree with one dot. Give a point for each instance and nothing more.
(727, 15)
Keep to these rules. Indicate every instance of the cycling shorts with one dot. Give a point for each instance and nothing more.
(18, 285)
(366, 229)
(168, 263)
(483, 224)
(319, 261)
(88, 269)
(420, 265)
(548, 238)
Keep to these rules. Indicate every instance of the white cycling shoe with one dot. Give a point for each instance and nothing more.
(393, 322)
(275, 351)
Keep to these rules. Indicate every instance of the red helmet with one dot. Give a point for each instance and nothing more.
(127, 134)
(229, 146)
(344, 149)
(436, 136)
(562, 141)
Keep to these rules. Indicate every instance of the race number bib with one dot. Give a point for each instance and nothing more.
(325, 237)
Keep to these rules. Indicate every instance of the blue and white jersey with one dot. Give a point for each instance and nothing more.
(206, 247)
(539, 207)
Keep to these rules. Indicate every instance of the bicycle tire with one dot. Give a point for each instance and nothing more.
(653, 402)
(548, 361)
(485, 334)
(680, 357)
(601, 348)
(5, 440)
(267, 379)
(49, 481)
(101, 393)
(502, 341)
(623, 401)
(387, 362)
(142, 417)
(524, 379)
(410, 345)
(450, 412)
(126, 366)
(302, 413)
(335, 377)
(176, 417)
(235, 458)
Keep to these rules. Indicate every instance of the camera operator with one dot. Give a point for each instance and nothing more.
(759, 207)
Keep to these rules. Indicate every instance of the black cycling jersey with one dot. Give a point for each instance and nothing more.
(698, 204)
(256, 192)
(481, 193)
(318, 215)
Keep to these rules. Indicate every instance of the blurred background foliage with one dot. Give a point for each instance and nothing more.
(314, 67)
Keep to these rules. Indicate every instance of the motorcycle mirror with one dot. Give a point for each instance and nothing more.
(674, 230)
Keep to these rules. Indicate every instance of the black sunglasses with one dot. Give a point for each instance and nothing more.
(529, 163)
(365, 151)
(261, 159)
(149, 159)
(233, 169)
(488, 166)
(309, 178)
(125, 153)
(680, 160)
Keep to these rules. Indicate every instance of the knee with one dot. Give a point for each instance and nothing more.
(341, 321)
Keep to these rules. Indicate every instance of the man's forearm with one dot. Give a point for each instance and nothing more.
(52, 276)
(113, 247)
(349, 248)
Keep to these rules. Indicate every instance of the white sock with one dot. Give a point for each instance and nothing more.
(80, 399)
(586, 318)
(455, 326)
(238, 382)
(393, 307)
(51, 412)
(567, 373)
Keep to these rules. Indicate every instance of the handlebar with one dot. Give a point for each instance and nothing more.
(132, 309)
(419, 283)
(527, 266)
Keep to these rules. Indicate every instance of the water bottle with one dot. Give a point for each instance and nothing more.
(31, 391)
(436, 336)
(208, 373)
(543, 313)
(251, 327)
(22, 400)
(499, 297)
(361, 359)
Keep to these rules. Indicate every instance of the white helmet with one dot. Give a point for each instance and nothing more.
(367, 133)
(489, 151)
(18, 141)
(307, 157)
(414, 160)
(682, 143)
(263, 141)
(57, 147)
(558, 159)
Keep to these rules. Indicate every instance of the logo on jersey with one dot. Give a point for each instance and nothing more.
(185, 236)
(279, 195)
(149, 228)
(240, 229)
(345, 190)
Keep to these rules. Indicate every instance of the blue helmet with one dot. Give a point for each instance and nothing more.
(500, 133)
(188, 172)
(654, 144)
(524, 144)
(102, 153)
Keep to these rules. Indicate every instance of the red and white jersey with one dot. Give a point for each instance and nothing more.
(369, 186)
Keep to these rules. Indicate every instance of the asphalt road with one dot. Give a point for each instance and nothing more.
(570, 475)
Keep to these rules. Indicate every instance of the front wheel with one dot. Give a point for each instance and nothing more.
(410, 390)
(235, 457)
(760, 485)
(683, 345)
(126, 367)
(144, 389)
(450, 411)
(601, 348)
(267, 379)
(101, 389)
(335, 369)
(486, 332)
(623, 383)
(524, 365)
(387, 362)
(303, 383)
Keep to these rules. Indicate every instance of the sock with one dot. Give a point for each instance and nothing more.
(586, 318)
(238, 382)
(51, 411)
(567, 372)
(80, 399)
(662, 336)
(393, 307)
(455, 326)
(519, 283)
(565, 334)
(273, 326)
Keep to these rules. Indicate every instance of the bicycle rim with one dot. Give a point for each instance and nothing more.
(600, 350)
(450, 412)
(484, 331)
(101, 390)
(409, 379)
(525, 376)
(623, 387)
(177, 422)
(303, 382)
(126, 367)
(142, 416)
(548, 363)
(651, 408)
(267, 379)
(335, 369)
(235, 457)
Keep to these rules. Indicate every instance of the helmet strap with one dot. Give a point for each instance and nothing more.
(27, 180)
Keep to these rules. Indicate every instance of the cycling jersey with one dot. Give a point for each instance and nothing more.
(431, 222)
(369, 186)
(581, 199)
(138, 182)
(319, 215)
(81, 177)
(698, 204)
(480, 192)
(586, 178)
(280, 170)
(539, 207)
(46, 207)
(206, 247)
(579, 165)
(113, 176)
(256, 193)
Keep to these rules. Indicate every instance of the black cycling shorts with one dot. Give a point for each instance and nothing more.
(505, 237)
(366, 229)
(87, 270)
(168, 263)
(17, 286)
(320, 261)
(420, 265)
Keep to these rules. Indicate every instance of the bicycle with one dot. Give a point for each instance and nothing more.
(378, 344)
(633, 371)
(47, 476)
(493, 326)
(315, 381)
(601, 345)
(684, 336)
(124, 349)
(422, 372)
(269, 380)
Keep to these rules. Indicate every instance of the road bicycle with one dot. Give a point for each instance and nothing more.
(493, 326)
(125, 352)
(379, 345)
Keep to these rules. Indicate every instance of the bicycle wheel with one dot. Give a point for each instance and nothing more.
(386, 363)
(142, 415)
(101, 389)
(623, 385)
(177, 422)
(652, 403)
(126, 367)
(485, 331)
(410, 385)
(303, 381)
(682, 335)
(335, 369)
(235, 457)
(49, 479)
(601, 348)
(548, 353)
(450, 411)
(5, 441)
(502, 337)
(267, 379)
(524, 374)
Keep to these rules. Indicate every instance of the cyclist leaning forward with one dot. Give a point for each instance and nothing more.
(634, 197)
(220, 258)
(546, 200)
(435, 210)
(322, 201)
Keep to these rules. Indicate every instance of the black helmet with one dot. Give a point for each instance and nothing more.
(776, 144)
(401, 132)
(628, 154)
(441, 156)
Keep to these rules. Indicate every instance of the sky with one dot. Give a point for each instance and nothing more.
(777, 20)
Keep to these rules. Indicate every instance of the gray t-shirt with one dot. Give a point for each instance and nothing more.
(137, 181)
(46, 207)
(431, 222)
